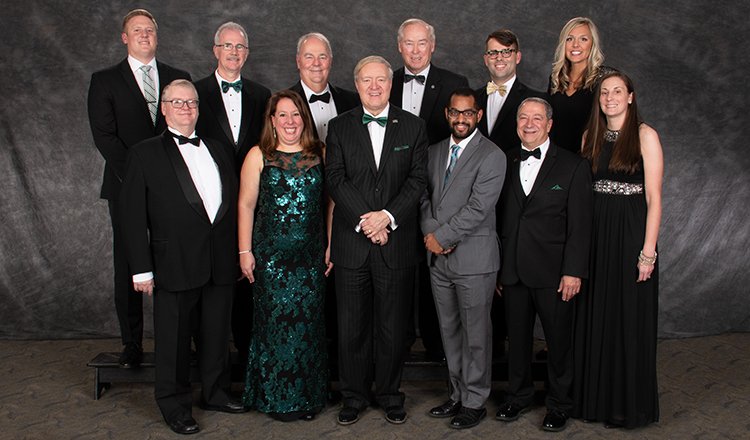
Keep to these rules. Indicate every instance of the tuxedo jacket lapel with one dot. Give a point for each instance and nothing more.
(509, 105)
(216, 104)
(391, 132)
(483, 105)
(247, 110)
(226, 172)
(430, 96)
(397, 88)
(364, 139)
(514, 171)
(183, 176)
(547, 165)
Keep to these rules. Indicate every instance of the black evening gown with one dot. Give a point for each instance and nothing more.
(570, 114)
(616, 317)
(287, 366)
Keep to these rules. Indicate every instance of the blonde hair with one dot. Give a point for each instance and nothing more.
(560, 78)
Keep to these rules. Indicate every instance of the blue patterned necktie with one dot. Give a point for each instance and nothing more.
(452, 163)
(149, 92)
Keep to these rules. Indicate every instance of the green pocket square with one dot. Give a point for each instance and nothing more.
(403, 147)
(556, 188)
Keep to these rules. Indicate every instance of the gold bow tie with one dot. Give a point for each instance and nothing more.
(492, 88)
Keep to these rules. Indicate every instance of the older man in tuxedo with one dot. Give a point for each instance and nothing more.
(179, 207)
(231, 111)
(423, 89)
(123, 110)
(546, 210)
(465, 177)
(375, 174)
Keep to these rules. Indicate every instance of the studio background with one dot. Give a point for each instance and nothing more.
(688, 60)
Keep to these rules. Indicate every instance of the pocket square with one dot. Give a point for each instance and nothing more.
(403, 147)
(556, 188)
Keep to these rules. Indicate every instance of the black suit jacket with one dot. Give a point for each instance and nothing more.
(345, 100)
(166, 228)
(547, 234)
(439, 85)
(212, 118)
(119, 117)
(358, 187)
(504, 132)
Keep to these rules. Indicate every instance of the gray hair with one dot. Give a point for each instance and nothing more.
(372, 59)
(430, 29)
(178, 83)
(317, 35)
(233, 26)
(547, 106)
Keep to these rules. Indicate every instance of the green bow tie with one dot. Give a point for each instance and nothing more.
(366, 119)
(237, 86)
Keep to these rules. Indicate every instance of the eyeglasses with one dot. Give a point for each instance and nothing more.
(230, 47)
(468, 113)
(506, 53)
(180, 103)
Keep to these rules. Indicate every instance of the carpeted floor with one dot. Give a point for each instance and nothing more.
(46, 392)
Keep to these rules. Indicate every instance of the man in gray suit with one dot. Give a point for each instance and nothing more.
(465, 178)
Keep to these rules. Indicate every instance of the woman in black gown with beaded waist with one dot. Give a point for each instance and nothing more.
(616, 324)
(283, 250)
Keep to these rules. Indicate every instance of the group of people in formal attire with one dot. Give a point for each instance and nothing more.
(347, 210)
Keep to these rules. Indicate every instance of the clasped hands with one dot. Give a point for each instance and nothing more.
(373, 224)
(432, 245)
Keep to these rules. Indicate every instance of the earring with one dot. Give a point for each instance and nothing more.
(273, 128)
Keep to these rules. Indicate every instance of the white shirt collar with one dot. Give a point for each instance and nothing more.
(464, 142)
(309, 92)
(135, 65)
(542, 149)
(383, 113)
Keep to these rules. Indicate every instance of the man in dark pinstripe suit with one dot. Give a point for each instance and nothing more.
(375, 174)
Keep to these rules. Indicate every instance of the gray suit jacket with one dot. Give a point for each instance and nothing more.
(461, 212)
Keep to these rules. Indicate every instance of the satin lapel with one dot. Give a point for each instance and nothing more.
(547, 164)
(514, 168)
(430, 96)
(183, 176)
(397, 88)
(483, 105)
(509, 106)
(391, 132)
(216, 104)
(363, 138)
(247, 112)
(127, 75)
(224, 173)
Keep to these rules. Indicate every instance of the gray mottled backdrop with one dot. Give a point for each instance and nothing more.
(689, 61)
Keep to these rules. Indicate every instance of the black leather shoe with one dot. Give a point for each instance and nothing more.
(185, 426)
(395, 414)
(510, 412)
(555, 421)
(348, 415)
(468, 418)
(232, 407)
(448, 409)
(131, 355)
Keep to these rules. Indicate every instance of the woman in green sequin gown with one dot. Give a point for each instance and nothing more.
(283, 214)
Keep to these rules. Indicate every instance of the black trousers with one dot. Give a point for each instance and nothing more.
(373, 313)
(522, 304)
(174, 312)
(128, 302)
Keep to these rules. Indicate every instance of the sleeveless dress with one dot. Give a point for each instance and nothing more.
(616, 322)
(287, 367)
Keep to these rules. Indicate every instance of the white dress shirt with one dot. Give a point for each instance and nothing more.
(461, 147)
(377, 137)
(530, 167)
(411, 99)
(322, 112)
(495, 103)
(233, 106)
(135, 66)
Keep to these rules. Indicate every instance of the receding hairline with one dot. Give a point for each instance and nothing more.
(182, 83)
(230, 25)
(317, 35)
(415, 21)
(547, 106)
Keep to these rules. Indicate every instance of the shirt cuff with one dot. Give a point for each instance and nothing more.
(143, 277)
(393, 220)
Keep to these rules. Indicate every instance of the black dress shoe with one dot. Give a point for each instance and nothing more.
(348, 415)
(232, 407)
(468, 418)
(131, 355)
(184, 426)
(555, 421)
(448, 409)
(395, 414)
(510, 412)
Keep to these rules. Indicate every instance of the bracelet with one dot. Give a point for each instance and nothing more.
(646, 261)
(244, 252)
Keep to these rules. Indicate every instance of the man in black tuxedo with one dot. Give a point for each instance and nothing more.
(375, 171)
(546, 209)
(231, 111)
(123, 110)
(424, 90)
(179, 208)
(325, 101)
(499, 100)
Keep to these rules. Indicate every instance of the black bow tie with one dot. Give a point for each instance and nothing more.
(420, 78)
(186, 140)
(525, 154)
(325, 97)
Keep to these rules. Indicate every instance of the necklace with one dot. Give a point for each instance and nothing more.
(611, 135)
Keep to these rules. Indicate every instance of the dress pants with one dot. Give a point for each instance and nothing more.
(128, 302)
(373, 306)
(463, 305)
(173, 313)
(522, 303)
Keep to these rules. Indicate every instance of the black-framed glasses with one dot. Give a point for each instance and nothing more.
(468, 113)
(506, 53)
(230, 47)
(180, 103)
